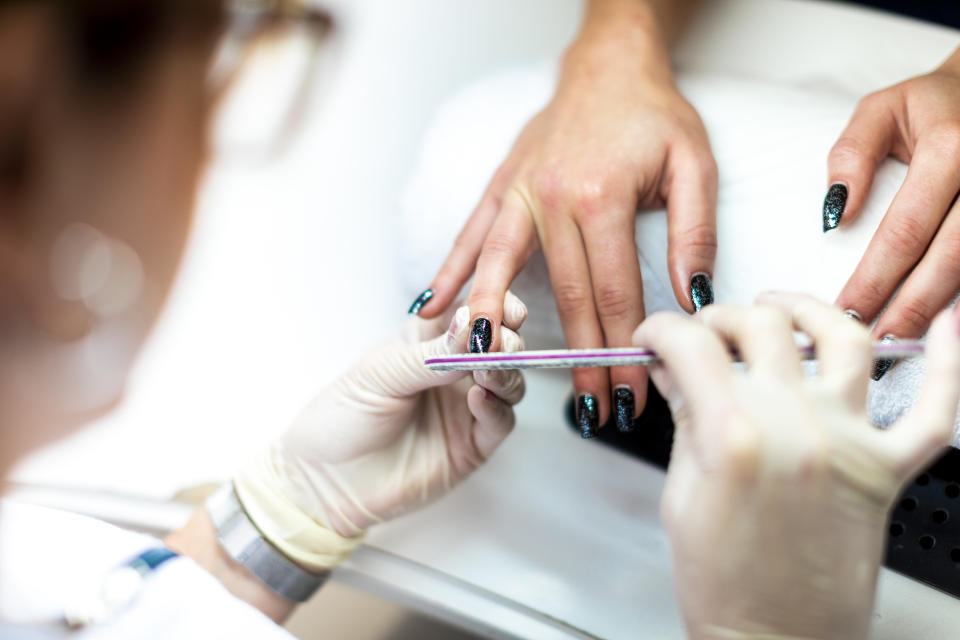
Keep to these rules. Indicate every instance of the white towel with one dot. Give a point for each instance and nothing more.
(771, 144)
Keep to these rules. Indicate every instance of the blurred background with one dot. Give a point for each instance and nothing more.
(264, 312)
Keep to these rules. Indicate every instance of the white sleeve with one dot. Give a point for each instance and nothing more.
(48, 556)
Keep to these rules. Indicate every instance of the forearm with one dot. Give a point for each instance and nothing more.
(198, 540)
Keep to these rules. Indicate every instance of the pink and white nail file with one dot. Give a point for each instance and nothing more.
(570, 358)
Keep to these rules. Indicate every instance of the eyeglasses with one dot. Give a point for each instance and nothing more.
(263, 73)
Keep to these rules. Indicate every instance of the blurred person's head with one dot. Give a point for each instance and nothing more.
(103, 118)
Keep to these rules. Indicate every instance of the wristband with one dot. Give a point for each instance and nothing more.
(244, 543)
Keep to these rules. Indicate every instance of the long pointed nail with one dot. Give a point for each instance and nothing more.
(853, 315)
(701, 291)
(421, 300)
(833, 205)
(880, 367)
(588, 417)
(624, 404)
(481, 335)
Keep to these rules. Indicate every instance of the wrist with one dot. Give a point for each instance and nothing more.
(626, 40)
(199, 541)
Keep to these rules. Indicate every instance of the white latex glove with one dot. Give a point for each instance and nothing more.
(388, 437)
(779, 487)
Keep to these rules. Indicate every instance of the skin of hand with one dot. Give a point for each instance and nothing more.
(387, 438)
(918, 241)
(779, 486)
(617, 136)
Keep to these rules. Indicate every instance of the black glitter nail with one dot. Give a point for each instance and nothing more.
(880, 367)
(421, 300)
(833, 205)
(624, 406)
(701, 291)
(588, 417)
(481, 335)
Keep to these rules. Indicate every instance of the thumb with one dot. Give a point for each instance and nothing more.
(398, 370)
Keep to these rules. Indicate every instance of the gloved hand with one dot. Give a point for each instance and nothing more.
(779, 486)
(388, 437)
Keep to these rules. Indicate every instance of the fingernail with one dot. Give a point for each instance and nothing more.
(587, 415)
(853, 315)
(880, 367)
(701, 291)
(833, 205)
(421, 300)
(481, 335)
(624, 405)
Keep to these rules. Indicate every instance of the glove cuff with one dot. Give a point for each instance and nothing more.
(281, 522)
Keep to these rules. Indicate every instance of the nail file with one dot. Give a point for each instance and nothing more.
(570, 358)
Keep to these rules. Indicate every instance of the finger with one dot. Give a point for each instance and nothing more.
(570, 278)
(514, 312)
(853, 160)
(399, 369)
(508, 384)
(932, 182)
(762, 335)
(844, 346)
(698, 367)
(505, 251)
(618, 293)
(929, 288)
(692, 224)
(494, 420)
(462, 259)
(916, 439)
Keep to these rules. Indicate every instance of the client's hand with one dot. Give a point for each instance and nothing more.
(779, 486)
(616, 137)
(917, 122)
(385, 439)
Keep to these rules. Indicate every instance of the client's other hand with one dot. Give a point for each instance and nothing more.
(915, 246)
(779, 486)
(388, 437)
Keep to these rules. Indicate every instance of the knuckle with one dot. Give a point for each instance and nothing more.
(572, 298)
(613, 302)
(913, 316)
(849, 151)
(906, 235)
(699, 240)
(485, 298)
(551, 187)
(872, 290)
(592, 197)
(499, 245)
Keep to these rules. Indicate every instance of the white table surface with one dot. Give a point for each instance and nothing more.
(555, 537)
